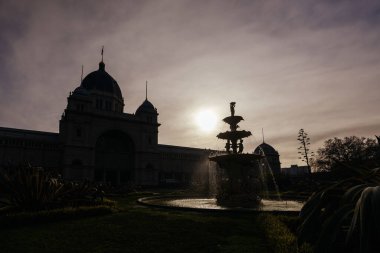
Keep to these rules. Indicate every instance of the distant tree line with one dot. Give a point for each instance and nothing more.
(352, 151)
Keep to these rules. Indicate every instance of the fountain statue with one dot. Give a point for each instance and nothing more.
(238, 176)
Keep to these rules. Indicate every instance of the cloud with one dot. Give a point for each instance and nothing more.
(288, 65)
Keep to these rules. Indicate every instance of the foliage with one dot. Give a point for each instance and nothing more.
(304, 148)
(349, 150)
(279, 237)
(31, 188)
(366, 221)
(328, 212)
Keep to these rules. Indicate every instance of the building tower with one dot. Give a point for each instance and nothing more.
(100, 141)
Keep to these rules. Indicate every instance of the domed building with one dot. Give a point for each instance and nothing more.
(98, 141)
(271, 155)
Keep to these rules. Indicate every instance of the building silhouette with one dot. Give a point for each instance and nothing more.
(98, 141)
(295, 170)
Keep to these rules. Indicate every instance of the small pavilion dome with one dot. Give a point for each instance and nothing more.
(146, 107)
(266, 149)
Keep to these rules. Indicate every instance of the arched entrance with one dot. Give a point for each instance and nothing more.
(114, 158)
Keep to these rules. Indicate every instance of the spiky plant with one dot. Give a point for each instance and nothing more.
(29, 188)
(328, 213)
(366, 220)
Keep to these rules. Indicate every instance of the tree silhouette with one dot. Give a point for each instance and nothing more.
(304, 148)
(352, 150)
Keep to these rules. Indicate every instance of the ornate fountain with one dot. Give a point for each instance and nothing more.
(238, 176)
(239, 183)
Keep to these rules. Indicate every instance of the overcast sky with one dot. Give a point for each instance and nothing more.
(288, 65)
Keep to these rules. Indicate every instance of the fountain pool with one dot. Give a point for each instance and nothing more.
(210, 204)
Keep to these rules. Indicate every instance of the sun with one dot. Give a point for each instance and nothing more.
(206, 120)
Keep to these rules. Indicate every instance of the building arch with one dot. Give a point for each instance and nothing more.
(114, 158)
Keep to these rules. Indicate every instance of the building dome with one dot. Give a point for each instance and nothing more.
(265, 148)
(146, 107)
(101, 81)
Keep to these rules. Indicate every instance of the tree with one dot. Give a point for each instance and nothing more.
(351, 150)
(304, 148)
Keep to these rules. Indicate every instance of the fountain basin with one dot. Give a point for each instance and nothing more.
(196, 203)
(245, 159)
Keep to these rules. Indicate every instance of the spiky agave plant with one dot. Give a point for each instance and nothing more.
(327, 214)
(366, 220)
(30, 188)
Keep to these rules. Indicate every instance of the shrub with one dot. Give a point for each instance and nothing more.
(366, 221)
(330, 211)
(31, 189)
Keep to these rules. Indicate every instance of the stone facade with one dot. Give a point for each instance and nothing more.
(97, 141)
(20, 146)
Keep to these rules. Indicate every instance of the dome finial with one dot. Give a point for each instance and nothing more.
(102, 66)
(81, 76)
(102, 52)
(262, 132)
(146, 90)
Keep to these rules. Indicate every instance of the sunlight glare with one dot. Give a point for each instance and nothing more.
(206, 120)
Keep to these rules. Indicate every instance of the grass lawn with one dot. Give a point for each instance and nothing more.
(139, 229)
